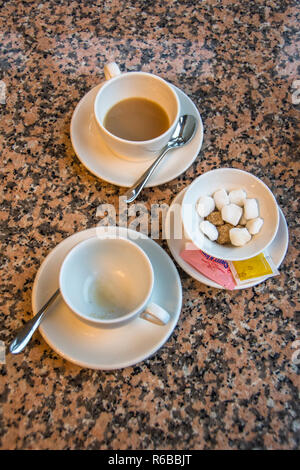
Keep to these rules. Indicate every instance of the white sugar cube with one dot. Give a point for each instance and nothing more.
(237, 196)
(221, 198)
(209, 230)
(239, 236)
(232, 214)
(205, 206)
(254, 225)
(251, 209)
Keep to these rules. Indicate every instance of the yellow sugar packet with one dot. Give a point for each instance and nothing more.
(256, 268)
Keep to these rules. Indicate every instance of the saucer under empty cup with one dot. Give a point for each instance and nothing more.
(93, 346)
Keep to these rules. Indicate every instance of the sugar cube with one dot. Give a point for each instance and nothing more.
(205, 206)
(254, 225)
(251, 209)
(237, 196)
(239, 236)
(209, 230)
(232, 214)
(221, 198)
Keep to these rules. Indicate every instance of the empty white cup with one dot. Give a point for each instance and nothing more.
(109, 281)
(120, 86)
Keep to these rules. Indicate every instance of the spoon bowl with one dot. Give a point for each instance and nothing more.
(184, 131)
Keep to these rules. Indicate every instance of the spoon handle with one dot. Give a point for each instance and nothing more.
(135, 190)
(24, 334)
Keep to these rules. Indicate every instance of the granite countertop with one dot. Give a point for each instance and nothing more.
(227, 378)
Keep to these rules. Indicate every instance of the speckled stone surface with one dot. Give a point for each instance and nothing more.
(227, 376)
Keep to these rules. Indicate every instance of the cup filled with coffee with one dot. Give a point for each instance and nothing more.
(108, 282)
(136, 112)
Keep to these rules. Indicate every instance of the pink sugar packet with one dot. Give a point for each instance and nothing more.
(216, 269)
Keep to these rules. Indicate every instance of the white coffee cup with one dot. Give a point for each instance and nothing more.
(108, 281)
(120, 86)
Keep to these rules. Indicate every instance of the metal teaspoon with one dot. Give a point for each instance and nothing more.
(25, 333)
(184, 132)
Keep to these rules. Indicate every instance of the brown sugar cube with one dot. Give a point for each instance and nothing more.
(215, 218)
(223, 237)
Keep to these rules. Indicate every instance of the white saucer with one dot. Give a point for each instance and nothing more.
(277, 249)
(97, 158)
(99, 348)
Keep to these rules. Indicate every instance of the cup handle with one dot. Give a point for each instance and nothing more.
(111, 70)
(155, 314)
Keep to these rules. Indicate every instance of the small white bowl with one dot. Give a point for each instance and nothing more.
(230, 178)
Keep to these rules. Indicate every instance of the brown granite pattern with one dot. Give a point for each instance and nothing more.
(225, 379)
